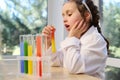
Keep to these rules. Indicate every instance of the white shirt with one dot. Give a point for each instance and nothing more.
(85, 55)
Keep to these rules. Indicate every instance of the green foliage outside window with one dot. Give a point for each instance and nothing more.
(111, 17)
(18, 17)
(111, 22)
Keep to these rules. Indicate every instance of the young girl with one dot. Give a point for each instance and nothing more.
(85, 48)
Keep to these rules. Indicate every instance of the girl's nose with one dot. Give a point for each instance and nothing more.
(65, 19)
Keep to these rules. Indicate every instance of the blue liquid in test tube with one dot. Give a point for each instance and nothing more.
(22, 54)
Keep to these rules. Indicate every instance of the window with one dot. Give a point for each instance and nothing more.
(111, 27)
(111, 22)
(18, 17)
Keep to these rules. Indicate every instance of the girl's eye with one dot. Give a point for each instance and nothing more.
(69, 14)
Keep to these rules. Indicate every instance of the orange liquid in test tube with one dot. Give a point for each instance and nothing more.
(53, 41)
(39, 54)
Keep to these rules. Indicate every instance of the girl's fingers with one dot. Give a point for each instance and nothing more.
(84, 27)
(47, 30)
(80, 24)
(75, 25)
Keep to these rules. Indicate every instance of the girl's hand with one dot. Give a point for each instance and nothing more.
(47, 32)
(78, 29)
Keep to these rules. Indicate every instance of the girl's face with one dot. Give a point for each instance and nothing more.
(70, 15)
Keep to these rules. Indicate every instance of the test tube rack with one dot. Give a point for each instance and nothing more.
(33, 62)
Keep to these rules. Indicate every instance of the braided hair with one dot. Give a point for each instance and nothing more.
(88, 5)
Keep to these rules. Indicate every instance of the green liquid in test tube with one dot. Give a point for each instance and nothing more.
(25, 54)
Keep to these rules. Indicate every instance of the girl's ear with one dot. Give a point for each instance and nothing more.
(87, 16)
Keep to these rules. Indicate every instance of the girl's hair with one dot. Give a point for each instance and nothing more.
(88, 5)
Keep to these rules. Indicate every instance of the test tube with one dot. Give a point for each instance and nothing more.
(21, 54)
(45, 58)
(25, 54)
(30, 54)
(53, 41)
(39, 54)
(44, 45)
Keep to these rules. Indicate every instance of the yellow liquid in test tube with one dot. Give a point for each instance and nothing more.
(30, 62)
(53, 41)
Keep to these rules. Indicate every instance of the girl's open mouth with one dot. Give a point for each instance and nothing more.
(67, 27)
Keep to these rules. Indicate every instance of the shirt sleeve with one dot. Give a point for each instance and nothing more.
(83, 58)
(56, 58)
(73, 60)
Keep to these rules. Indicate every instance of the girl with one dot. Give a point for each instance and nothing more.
(85, 48)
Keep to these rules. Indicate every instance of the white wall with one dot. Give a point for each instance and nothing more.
(55, 18)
